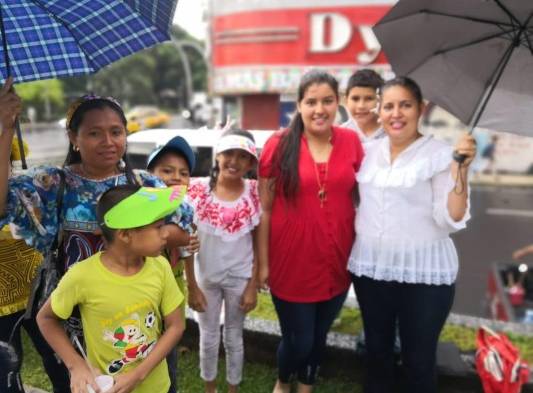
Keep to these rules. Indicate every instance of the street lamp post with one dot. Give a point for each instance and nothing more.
(180, 46)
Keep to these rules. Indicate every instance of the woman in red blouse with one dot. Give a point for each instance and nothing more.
(307, 188)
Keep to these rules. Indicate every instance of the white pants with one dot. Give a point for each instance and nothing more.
(229, 291)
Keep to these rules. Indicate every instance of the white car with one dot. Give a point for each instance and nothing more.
(202, 141)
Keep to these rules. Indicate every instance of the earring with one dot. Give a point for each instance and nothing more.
(75, 148)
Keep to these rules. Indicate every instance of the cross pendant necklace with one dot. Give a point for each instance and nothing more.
(322, 193)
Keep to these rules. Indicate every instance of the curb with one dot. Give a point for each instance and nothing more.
(502, 180)
(31, 389)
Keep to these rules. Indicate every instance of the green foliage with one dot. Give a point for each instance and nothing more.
(257, 378)
(45, 96)
(32, 367)
(464, 338)
(264, 308)
(153, 76)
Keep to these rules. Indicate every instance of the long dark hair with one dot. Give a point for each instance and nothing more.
(213, 176)
(75, 120)
(287, 154)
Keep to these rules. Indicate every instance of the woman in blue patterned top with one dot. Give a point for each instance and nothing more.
(96, 161)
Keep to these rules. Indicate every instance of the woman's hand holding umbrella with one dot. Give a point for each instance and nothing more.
(466, 146)
(457, 199)
(10, 107)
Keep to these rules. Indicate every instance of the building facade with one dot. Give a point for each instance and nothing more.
(260, 49)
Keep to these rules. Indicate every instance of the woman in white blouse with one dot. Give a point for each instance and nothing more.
(403, 262)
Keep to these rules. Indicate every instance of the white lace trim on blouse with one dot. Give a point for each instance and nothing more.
(403, 223)
(431, 262)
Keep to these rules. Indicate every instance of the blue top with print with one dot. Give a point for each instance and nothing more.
(31, 208)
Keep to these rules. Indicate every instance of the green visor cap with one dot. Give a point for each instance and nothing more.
(145, 207)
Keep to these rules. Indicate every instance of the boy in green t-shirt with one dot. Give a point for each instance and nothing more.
(125, 294)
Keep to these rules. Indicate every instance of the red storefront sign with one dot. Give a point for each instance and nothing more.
(267, 50)
(315, 36)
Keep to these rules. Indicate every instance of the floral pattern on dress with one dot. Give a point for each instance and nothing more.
(31, 207)
(227, 219)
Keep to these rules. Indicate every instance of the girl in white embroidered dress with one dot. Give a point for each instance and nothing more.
(403, 262)
(227, 212)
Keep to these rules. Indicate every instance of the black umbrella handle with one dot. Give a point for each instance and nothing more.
(21, 144)
(460, 158)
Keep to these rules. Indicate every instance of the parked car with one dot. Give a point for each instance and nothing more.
(145, 117)
(202, 141)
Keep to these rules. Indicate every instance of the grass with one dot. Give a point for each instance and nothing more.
(259, 378)
(351, 323)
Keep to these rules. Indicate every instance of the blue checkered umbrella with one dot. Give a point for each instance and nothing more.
(57, 38)
(44, 39)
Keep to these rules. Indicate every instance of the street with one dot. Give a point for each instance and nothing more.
(502, 221)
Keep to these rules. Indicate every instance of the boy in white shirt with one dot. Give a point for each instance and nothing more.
(361, 102)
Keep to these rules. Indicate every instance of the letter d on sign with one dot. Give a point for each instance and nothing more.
(330, 32)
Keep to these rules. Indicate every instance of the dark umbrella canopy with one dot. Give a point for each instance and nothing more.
(474, 58)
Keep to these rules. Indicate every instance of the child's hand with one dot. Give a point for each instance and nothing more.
(262, 277)
(80, 377)
(229, 123)
(194, 243)
(249, 297)
(197, 300)
(126, 382)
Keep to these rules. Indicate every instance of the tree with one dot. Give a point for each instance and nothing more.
(154, 76)
(46, 97)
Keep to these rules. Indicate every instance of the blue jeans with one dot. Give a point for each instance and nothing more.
(11, 355)
(172, 363)
(420, 311)
(304, 329)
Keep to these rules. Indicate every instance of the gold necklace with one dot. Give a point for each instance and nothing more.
(84, 173)
(322, 192)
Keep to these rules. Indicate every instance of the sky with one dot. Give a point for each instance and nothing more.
(189, 16)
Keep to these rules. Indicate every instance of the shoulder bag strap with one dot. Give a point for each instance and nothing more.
(59, 207)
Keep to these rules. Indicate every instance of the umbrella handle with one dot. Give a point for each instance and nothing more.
(21, 145)
(460, 158)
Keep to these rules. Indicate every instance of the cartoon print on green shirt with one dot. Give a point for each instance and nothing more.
(129, 340)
